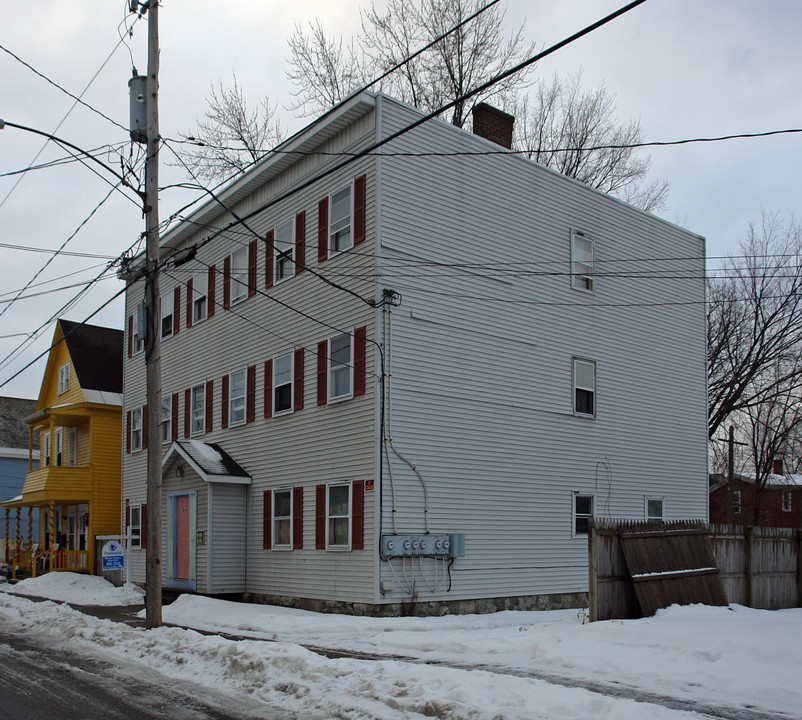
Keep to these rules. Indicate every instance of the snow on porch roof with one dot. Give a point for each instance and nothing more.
(209, 460)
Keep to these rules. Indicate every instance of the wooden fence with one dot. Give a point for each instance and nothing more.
(758, 567)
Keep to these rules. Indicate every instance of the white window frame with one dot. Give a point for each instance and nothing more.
(200, 292)
(339, 368)
(237, 403)
(138, 341)
(59, 449)
(330, 517)
(275, 544)
(277, 385)
(166, 419)
(575, 386)
(197, 416)
(575, 515)
(653, 499)
(334, 249)
(47, 448)
(136, 537)
(72, 446)
(736, 502)
(167, 314)
(283, 265)
(63, 378)
(787, 502)
(581, 269)
(239, 275)
(137, 428)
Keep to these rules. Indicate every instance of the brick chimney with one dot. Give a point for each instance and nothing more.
(493, 124)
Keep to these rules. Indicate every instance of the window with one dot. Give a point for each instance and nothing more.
(64, 378)
(340, 221)
(284, 242)
(338, 516)
(136, 429)
(736, 501)
(198, 410)
(282, 384)
(584, 506)
(584, 387)
(135, 526)
(239, 275)
(59, 446)
(139, 323)
(282, 518)
(340, 367)
(236, 398)
(47, 448)
(166, 423)
(168, 310)
(72, 446)
(200, 284)
(581, 261)
(786, 501)
(654, 508)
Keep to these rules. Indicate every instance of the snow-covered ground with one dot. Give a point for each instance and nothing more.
(518, 665)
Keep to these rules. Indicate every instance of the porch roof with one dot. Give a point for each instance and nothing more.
(208, 460)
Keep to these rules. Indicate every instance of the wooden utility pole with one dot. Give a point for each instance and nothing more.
(153, 579)
(730, 473)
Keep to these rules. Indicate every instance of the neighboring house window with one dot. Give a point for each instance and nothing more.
(282, 518)
(584, 387)
(200, 284)
(239, 275)
(136, 429)
(64, 378)
(284, 243)
(236, 398)
(135, 526)
(654, 508)
(584, 508)
(198, 411)
(59, 446)
(340, 367)
(139, 328)
(582, 251)
(340, 237)
(736, 501)
(338, 516)
(168, 311)
(166, 424)
(786, 501)
(47, 447)
(282, 384)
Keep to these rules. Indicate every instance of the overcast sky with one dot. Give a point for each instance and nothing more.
(682, 68)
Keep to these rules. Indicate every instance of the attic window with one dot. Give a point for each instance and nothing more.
(64, 378)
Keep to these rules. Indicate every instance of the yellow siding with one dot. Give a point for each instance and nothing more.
(106, 453)
(49, 395)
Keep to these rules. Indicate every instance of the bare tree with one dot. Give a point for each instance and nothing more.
(231, 136)
(755, 325)
(575, 132)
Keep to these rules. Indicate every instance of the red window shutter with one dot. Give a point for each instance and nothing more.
(189, 302)
(298, 380)
(210, 302)
(320, 517)
(360, 335)
(252, 268)
(145, 427)
(187, 411)
(143, 526)
(358, 516)
(250, 397)
(267, 517)
(224, 403)
(174, 424)
(270, 251)
(130, 335)
(176, 310)
(359, 210)
(300, 241)
(128, 432)
(298, 518)
(127, 516)
(322, 375)
(268, 388)
(227, 282)
(323, 229)
(209, 408)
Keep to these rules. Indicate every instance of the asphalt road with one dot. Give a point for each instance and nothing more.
(38, 682)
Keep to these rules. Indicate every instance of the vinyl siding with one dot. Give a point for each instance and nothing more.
(225, 538)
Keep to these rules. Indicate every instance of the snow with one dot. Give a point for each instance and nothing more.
(207, 457)
(80, 589)
(507, 665)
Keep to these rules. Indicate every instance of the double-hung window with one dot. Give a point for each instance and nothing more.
(338, 516)
(236, 397)
(282, 384)
(198, 410)
(139, 321)
(200, 288)
(47, 448)
(340, 367)
(282, 518)
(64, 378)
(340, 212)
(239, 275)
(654, 508)
(584, 387)
(135, 526)
(136, 429)
(736, 501)
(284, 243)
(584, 510)
(168, 310)
(166, 424)
(59, 446)
(786, 501)
(582, 261)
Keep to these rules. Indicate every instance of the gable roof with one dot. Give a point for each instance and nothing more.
(209, 461)
(97, 355)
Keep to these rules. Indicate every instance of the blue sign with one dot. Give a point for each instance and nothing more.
(112, 557)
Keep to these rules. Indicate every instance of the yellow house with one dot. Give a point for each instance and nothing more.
(78, 421)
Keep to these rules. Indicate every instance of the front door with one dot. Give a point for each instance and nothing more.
(182, 508)
(182, 537)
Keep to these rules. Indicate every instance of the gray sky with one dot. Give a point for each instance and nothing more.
(683, 68)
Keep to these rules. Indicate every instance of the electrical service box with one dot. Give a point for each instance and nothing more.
(423, 546)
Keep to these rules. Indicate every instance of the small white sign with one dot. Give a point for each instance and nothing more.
(112, 557)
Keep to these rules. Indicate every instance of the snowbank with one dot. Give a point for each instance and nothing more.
(78, 589)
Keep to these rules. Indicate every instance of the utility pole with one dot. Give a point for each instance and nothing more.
(153, 579)
(730, 473)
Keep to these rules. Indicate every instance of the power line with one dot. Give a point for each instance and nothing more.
(29, 248)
